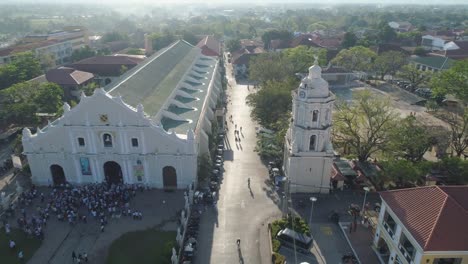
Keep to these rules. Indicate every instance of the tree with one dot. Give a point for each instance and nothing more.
(455, 169)
(389, 62)
(349, 40)
(190, 37)
(364, 125)
(458, 131)
(162, 40)
(272, 93)
(49, 97)
(357, 58)
(420, 51)
(233, 45)
(270, 67)
(452, 81)
(113, 36)
(47, 62)
(23, 67)
(205, 166)
(416, 77)
(402, 172)
(82, 53)
(386, 34)
(410, 139)
(135, 51)
(270, 35)
(302, 57)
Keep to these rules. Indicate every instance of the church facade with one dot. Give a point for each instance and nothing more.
(308, 152)
(148, 127)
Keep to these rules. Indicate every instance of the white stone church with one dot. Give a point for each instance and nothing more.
(308, 152)
(147, 127)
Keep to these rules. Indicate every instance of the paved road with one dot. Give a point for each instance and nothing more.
(241, 212)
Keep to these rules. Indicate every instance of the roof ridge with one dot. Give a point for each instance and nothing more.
(438, 216)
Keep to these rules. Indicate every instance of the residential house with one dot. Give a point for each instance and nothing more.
(106, 68)
(210, 46)
(72, 81)
(241, 58)
(457, 50)
(401, 26)
(342, 173)
(431, 63)
(381, 48)
(429, 42)
(423, 225)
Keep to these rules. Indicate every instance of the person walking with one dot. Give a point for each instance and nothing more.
(248, 182)
(73, 256)
(21, 256)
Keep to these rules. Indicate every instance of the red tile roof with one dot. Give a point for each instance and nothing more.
(68, 76)
(210, 46)
(106, 65)
(435, 216)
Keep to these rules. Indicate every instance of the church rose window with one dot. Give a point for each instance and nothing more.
(107, 138)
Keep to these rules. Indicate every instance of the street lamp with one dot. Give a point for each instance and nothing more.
(313, 200)
(366, 189)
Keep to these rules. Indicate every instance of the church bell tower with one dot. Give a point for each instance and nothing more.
(308, 152)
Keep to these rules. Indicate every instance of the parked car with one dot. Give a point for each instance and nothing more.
(291, 239)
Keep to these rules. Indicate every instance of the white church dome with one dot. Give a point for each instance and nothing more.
(314, 83)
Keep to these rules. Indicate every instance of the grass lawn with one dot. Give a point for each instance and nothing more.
(24, 243)
(143, 247)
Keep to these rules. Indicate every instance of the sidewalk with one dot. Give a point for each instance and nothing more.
(360, 242)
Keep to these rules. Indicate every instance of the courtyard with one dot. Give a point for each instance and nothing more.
(61, 239)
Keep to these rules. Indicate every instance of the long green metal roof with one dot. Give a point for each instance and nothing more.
(152, 82)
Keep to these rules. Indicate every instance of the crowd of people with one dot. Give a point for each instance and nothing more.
(72, 204)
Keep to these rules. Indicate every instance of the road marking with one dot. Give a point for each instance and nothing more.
(326, 230)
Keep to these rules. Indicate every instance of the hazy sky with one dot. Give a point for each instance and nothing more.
(236, 1)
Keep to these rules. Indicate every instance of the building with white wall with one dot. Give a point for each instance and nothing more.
(148, 127)
(425, 225)
(308, 152)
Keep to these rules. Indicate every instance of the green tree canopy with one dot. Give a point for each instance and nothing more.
(349, 40)
(82, 53)
(416, 77)
(162, 40)
(22, 101)
(364, 124)
(270, 66)
(452, 81)
(357, 58)
(410, 139)
(389, 62)
(302, 57)
(233, 45)
(270, 35)
(113, 36)
(402, 172)
(23, 67)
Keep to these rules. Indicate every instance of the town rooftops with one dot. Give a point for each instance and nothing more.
(436, 62)
(435, 216)
(106, 65)
(210, 46)
(68, 76)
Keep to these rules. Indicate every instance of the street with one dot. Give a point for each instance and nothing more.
(241, 212)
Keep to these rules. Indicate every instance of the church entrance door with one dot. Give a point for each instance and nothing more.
(113, 172)
(58, 175)
(169, 178)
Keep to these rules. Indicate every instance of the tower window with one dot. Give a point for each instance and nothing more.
(134, 142)
(313, 140)
(107, 138)
(81, 142)
(315, 116)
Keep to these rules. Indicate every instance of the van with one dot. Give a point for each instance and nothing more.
(289, 237)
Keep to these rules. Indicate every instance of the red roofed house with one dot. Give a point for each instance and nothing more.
(423, 225)
(71, 80)
(107, 68)
(210, 46)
